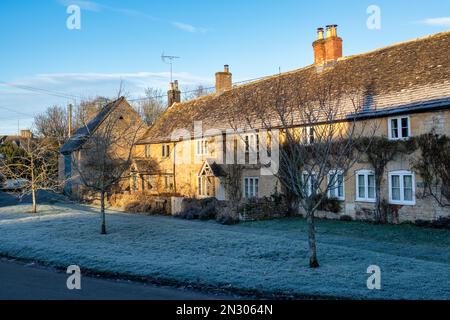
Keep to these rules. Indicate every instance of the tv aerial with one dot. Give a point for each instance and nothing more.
(169, 60)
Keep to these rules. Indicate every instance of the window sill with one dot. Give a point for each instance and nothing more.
(402, 203)
(399, 139)
(366, 200)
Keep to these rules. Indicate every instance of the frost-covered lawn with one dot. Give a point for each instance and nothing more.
(269, 256)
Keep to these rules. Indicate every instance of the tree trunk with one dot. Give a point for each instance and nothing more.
(313, 262)
(379, 216)
(102, 210)
(33, 197)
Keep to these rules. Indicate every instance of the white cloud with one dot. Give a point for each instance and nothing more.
(188, 27)
(131, 77)
(95, 83)
(437, 22)
(83, 85)
(97, 7)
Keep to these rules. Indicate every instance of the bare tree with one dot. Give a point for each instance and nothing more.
(318, 124)
(153, 106)
(198, 92)
(34, 168)
(106, 157)
(86, 110)
(53, 124)
(232, 182)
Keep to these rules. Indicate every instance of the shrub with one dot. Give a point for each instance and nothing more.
(329, 204)
(263, 208)
(204, 209)
(441, 223)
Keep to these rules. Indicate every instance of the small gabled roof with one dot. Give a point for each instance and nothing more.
(211, 168)
(80, 136)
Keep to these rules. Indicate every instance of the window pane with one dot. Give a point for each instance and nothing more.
(371, 186)
(407, 183)
(311, 135)
(246, 187)
(361, 186)
(251, 187)
(405, 127)
(340, 186)
(304, 136)
(333, 192)
(395, 185)
(256, 187)
(394, 128)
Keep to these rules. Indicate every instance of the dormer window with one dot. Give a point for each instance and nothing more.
(399, 128)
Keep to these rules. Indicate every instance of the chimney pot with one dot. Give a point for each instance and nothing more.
(320, 34)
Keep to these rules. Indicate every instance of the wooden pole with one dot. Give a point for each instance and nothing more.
(70, 120)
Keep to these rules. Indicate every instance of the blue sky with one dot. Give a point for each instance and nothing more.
(125, 39)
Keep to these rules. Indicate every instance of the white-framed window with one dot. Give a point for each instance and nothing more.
(365, 186)
(337, 185)
(251, 187)
(201, 148)
(165, 151)
(147, 149)
(399, 128)
(308, 135)
(309, 180)
(401, 188)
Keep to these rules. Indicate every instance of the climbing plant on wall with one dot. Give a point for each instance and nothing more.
(433, 165)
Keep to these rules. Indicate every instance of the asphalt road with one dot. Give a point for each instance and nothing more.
(20, 281)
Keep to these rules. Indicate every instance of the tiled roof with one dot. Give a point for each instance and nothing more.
(408, 73)
(80, 136)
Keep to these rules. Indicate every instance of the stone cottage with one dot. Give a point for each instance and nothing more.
(407, 93)
(125, 124)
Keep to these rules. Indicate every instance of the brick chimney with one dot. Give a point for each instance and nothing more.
(174, 93)
(333, 44)
(329, 48)
(319, 47)
(26, 134)
(224, 80)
